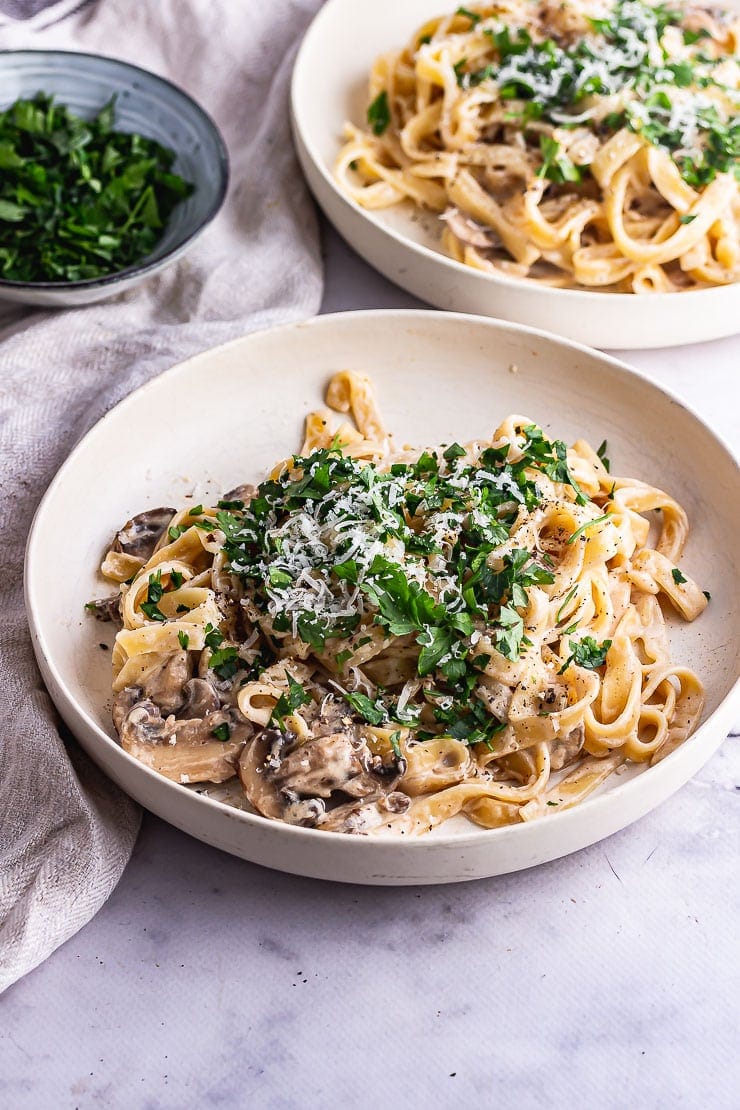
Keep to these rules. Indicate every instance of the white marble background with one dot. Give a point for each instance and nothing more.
(610, 979)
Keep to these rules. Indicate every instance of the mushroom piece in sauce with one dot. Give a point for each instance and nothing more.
(186, 749)
(563, 750)
(468, 230)
(298, 783)
(165, 685)
(106, 608)
(243, 493)
(140, 535)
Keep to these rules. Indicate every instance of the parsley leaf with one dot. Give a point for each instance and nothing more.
(152, 611)
(510, 635)
(288, 703)
(370, 711)
(225, 662)
(378, 114)
(213, 637)
(435, 644)
(587, 653)
(601, 452)
(589, 524)
(556, 165)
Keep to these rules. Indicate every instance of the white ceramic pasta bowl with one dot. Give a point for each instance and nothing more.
(225, 416)
(329, 86)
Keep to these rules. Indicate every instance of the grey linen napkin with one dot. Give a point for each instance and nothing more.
(66, 833)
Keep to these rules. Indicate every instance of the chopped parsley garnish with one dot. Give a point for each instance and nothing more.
(556, 166)
(510, 635)
(584, 527)
(563, 607)
(587, 653)
(378, 114)
(156, 589)
(336, 549)
(221, 732)
(472, 16)
(620, 58)
(152, 611)
(78, 199)
(279, 577)
(288, 703)
(370, 711)
(154, 593)
(225, 662)
(678, 578)
(213, 637)
(184, 640)
(471, 723)
(601, 451)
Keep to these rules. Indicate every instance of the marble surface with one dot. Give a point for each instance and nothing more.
(610, 979)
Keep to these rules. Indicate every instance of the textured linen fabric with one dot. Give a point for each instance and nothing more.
(66, 833)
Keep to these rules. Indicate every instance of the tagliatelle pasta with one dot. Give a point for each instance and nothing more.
(375, 640)
(579, 143)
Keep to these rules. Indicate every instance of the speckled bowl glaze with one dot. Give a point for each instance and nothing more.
(439, 377)
(144, 103)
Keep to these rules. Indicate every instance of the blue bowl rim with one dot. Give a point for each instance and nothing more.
(140, 268)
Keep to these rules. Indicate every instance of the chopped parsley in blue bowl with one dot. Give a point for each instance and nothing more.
(107, 174)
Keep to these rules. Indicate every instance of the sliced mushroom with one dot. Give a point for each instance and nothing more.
(243, 493)
(166, 685)
(354, 818)
(182, 750)
(553, 699)
(565, 749)
(304, 811)
(395, 802)
(123, 703)
(357, 818)
(333, 716)
(321, 766)
(468, 231)
(140, 535)
(253, 765)
(200, 699)
(106, 608)
(297, 783)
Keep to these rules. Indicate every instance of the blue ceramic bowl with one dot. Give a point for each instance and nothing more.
(147, 104)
